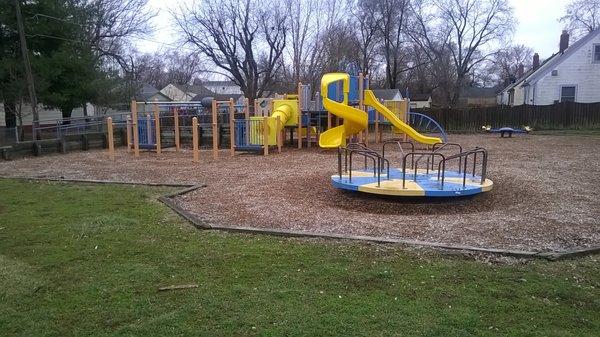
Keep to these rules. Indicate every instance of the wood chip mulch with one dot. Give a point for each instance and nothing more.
(546, 194)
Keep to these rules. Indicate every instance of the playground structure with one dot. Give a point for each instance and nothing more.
(248, 131)
(271, 122)
(432, 180)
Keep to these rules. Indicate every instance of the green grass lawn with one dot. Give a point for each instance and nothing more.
(81, 259)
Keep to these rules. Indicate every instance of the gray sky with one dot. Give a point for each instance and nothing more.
(538, 25)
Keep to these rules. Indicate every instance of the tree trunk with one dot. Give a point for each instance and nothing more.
(10, 113)
(66, 113)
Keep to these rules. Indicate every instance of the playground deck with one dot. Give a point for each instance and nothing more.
(545, 194)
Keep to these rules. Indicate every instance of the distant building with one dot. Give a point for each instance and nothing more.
(47, 116)
(148, 93)
(388, 94)
(571, 75)
(223, 87)
(186, 92)
(183, 92)
(420, 101)
(478, 97)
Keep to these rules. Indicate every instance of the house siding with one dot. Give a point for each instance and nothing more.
(47, 116)
(420, 104)
(578, 70)
(223, 89)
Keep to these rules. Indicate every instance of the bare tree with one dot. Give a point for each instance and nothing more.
(507, 63)
(367, 22)
(244, 40)
(392, 16)
(583, 17)
(467, 29)
(111, 24)
(303, 32)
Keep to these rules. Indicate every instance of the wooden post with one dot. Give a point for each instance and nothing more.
(279, 138)
(136, 134)
(195, 139)
(231, 127)
(377, 140)
(111, 139)
(129, 126)
(361, 88)
(215, 131)
(176, 126)
(300, 116)
(157, 127)
(266, 135)
(246, 127)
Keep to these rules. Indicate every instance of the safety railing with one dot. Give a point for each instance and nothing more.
(416, 166)
(474, 153)
(399, 143)
(379, 163)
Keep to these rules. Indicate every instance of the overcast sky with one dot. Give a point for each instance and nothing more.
(538, 25)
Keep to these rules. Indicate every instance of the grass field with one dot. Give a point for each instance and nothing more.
(88, 260)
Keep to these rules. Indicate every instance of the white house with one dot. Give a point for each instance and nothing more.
(223, 87)
(571, 75)
(420, 101)
(47, 116)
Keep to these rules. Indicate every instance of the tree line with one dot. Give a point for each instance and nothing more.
(84, 51)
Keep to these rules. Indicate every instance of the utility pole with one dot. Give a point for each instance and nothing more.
(28, 72)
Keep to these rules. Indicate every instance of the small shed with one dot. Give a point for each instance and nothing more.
(420, 101)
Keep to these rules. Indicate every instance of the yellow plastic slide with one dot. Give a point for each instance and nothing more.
(355, 120)
(371, 100)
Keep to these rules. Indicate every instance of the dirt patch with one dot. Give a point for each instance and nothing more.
(545, 194)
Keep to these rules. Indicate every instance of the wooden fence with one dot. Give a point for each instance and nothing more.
(567, 115)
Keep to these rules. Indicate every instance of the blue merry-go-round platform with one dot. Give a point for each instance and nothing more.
(426, 184)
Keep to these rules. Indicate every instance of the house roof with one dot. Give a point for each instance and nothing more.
(478, 92)
(533, 75)
(147, 96)
(555, 61)
(148, 88)
(386, 94)
(528, 73)
(148, 92)
(419, 97)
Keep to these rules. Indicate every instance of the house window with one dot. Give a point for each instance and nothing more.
(597, 53)
(567, 93)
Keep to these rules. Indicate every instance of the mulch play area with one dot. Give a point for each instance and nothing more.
(546, 193)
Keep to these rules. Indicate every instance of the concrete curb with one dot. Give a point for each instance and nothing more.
(200, 224)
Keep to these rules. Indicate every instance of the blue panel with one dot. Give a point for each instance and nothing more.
(338, 184)
(353, 94)
(335, 91)
(305, 119)
(240, 133)
(144, 142)
(372, 113)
